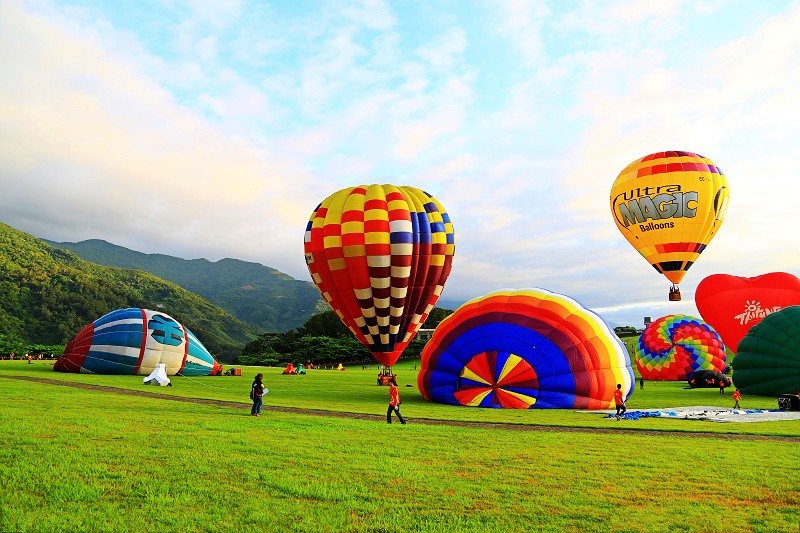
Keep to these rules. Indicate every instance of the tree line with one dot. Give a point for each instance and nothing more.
(323, 340)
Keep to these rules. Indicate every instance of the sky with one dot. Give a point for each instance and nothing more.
(213, 128)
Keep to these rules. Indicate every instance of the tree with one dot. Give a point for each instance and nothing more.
(626, 331)
(325, 324)
(10, 343)
(436, 315)
(329, 350)
(323, 339)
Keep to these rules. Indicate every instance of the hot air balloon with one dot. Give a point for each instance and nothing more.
(524, 349)
(674, 347)
(768, 362)
(704, 379)
(380, 255)
(134, 341)
(669, 205)
(734, 304)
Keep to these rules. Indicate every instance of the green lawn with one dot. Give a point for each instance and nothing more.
(354, 390)
(77, 460)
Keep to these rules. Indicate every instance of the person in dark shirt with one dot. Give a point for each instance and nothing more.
(257, 394)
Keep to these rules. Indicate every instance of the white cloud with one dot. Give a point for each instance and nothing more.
(207, 48)
(614, 17)
(522, 23)
(373, 14)
(446, 52)
(217, 13)
(633, 96)
(254, 49)
(231, 128)
(737, 105)
(84, 131)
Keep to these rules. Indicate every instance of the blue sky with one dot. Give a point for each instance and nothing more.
(212, 129)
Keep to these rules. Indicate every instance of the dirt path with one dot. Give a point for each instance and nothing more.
(426, 421)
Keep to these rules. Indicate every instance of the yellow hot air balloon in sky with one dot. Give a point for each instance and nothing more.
(669, 205)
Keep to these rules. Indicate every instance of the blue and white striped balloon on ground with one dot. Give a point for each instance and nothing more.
(134, 341)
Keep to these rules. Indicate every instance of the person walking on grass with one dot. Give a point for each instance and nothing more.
(619, 401)
(394, 402)
(736, 397)
(257, 394)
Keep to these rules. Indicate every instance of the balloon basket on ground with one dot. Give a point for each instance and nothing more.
(789, 402)
(385, 375)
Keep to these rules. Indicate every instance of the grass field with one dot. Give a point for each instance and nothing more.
(85, 460)
(354, 390)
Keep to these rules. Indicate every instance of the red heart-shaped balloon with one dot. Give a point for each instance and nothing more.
(733, 304)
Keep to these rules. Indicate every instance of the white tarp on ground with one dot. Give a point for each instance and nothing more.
(158, 376)
(711, 414)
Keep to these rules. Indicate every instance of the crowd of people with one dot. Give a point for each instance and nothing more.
(29, 356)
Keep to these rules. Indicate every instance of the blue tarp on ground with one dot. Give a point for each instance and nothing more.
(714, 414)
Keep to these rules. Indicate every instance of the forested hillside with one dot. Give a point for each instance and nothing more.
(256, 294)
(323, 339)
(47, 295)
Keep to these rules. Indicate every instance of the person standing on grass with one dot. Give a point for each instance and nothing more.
(394, 402)
(736, 397)
(722, 387)
(641, 383)
(257, 394)
(619, 401)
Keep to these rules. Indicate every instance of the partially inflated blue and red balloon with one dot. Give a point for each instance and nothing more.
(525, 349)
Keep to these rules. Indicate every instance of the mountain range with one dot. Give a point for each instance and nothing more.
(48, 294)
(258, 295)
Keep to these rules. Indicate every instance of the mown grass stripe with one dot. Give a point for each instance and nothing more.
(418, 420)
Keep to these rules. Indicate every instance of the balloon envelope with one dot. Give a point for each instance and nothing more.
(734, 304)
(674, 347)
(524, 349)
(134, 341)
(708, 378)
(669, 205)
(768, 362)
(380, 255)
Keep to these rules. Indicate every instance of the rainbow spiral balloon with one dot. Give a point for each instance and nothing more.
(673, 347)
(524, 349)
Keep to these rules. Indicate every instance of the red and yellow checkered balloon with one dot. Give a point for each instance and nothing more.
(380, 255)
